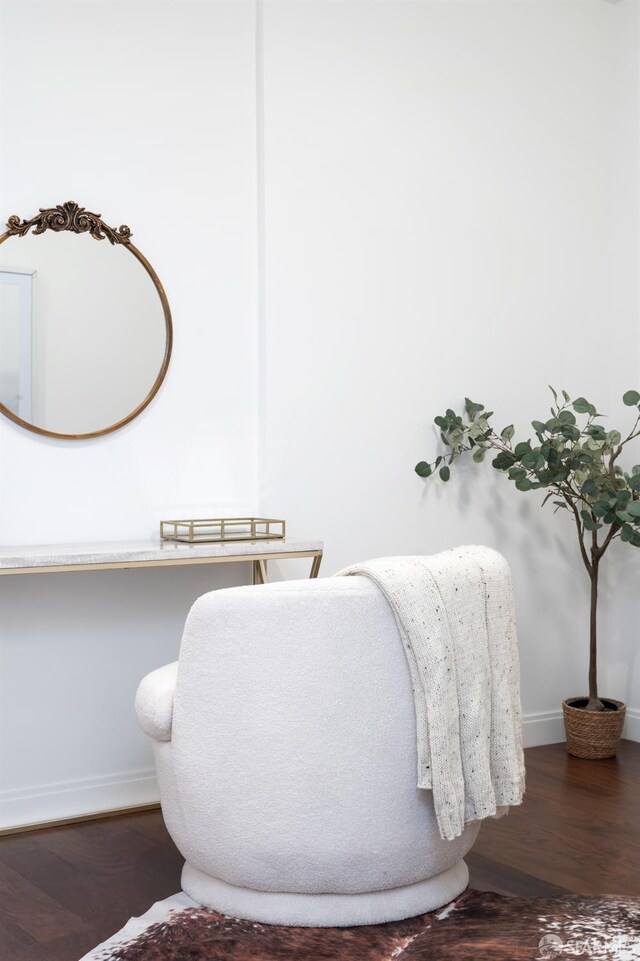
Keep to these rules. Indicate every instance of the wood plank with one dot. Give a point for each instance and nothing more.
(122, 860)
(151, 825)
(80, 894)
(37, 914)
(68, 947)
(12, 937)
(488, 875)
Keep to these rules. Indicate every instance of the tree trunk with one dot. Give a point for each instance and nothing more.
(594, 704)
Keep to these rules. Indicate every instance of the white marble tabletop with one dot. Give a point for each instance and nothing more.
(121, 553)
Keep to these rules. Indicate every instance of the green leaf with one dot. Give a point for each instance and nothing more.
(634, 483)
(441, 422)
(523, 484)
(538, 426)
(423, 469)
(589, 523)
(613, 438)
(524, 447)
(589, 488)
(626, 533)
(582, 406)
(508, 433)
(478, 454)
(566, 417)
(546, 498)
(566, 396)
(634, 508)
(569, 432)
(631, 398)
(503, 461)
(530, 461)
(472, 409)
(555, 396)
(445, 473)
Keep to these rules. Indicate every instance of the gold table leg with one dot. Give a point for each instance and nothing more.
(259, 569)
(260, 572)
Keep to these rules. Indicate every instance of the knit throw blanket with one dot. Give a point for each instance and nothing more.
(455, 614)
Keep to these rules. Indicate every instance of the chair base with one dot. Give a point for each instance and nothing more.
(326, 910)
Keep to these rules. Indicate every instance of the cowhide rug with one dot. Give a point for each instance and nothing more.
(476, 927)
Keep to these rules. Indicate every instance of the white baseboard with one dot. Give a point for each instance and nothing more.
(632, 726)
(56, 802)
(545, 727)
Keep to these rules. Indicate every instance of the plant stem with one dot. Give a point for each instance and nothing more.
(595, 704)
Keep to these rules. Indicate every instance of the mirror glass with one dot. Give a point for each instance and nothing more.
(84, 332)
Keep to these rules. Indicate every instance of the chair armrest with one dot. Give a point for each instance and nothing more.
(154, 702)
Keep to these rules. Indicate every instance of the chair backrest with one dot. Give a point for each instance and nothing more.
(293, 739)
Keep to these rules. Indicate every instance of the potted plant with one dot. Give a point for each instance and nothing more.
(577, 463)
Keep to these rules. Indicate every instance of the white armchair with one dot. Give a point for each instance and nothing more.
(285, 746)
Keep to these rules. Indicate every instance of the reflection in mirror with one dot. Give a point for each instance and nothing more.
(85, 330)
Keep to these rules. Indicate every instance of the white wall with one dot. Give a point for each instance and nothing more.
(444, 196)
(144, 112)
(451, 209)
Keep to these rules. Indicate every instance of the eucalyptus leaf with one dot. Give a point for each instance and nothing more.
(524, 447)
(523, 484)
(582, 406)
(566, 417)
(503, 461)
(631, 398)
(589, 523)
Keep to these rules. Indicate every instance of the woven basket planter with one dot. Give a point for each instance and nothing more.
(593, 734)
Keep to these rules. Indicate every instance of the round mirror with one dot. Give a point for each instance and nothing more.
(85, 326)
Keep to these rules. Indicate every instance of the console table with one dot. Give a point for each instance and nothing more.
(58, 558)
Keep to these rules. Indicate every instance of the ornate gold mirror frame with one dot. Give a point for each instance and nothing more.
(69, 216)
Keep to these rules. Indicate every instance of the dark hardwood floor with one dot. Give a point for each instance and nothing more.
(65, 889)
